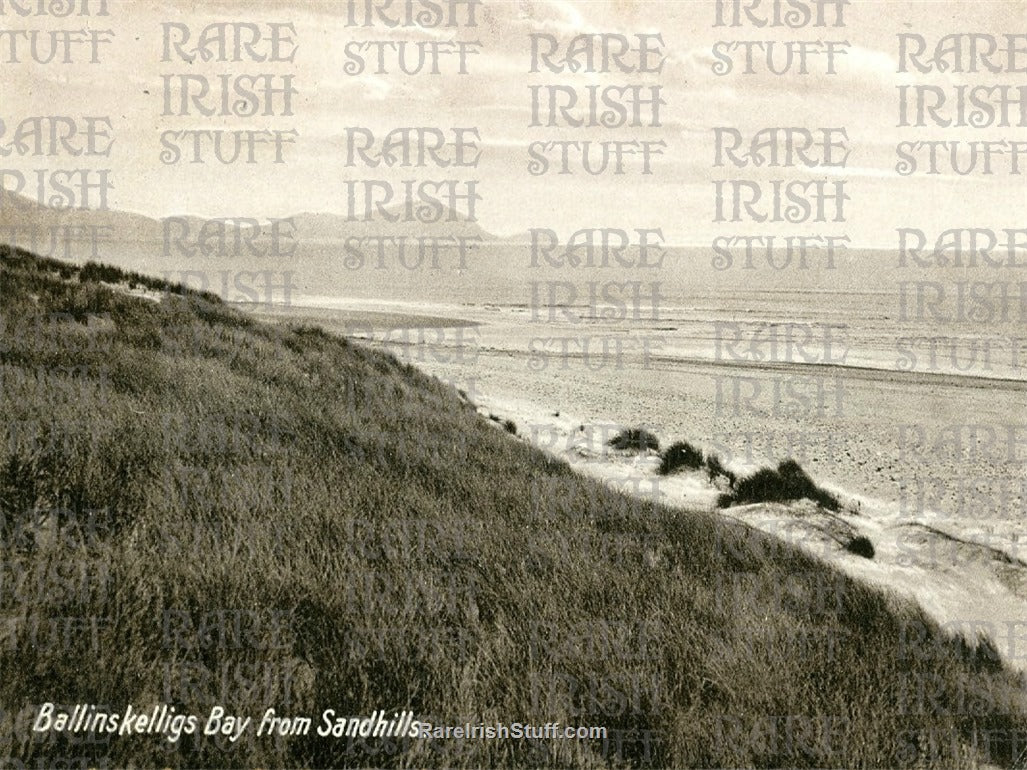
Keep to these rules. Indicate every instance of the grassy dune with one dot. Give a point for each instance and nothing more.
(250, 516)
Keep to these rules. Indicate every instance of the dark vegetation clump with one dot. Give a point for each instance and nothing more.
(861, 546)
(680, 455)
(716, 469)
(636, 440)
(785, 483)
(510, 427)
(256, 508)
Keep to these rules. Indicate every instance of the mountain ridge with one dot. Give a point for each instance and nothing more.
(18, 211)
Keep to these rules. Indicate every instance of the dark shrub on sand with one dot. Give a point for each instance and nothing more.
(716, 469)
(787, 482)
(636, 439)
(680, 455)
(861, 546)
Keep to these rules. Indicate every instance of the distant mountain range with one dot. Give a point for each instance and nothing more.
(17, 211)
(324, 263)
(315, 251)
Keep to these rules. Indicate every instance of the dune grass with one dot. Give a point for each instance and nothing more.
(785, 483)
(251, 516)
(680, 455)
(715, 469)
(635, 440)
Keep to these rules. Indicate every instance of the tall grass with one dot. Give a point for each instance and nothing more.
(252, 516)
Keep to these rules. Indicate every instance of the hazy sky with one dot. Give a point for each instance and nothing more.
(494, 98)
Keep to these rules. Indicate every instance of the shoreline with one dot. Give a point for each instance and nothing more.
(866, 363)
